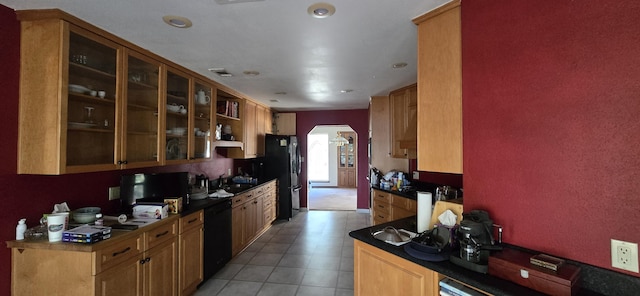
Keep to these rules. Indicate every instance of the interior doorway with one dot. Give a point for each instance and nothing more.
(331, 163)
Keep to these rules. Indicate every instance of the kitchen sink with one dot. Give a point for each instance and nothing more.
(237, 188)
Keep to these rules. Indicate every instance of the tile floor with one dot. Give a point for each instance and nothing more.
(310, 255)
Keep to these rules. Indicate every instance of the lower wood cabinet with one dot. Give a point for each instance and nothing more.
(141, 262)
(252, 212)
(388, 207)
(191, 246)
(377, 272)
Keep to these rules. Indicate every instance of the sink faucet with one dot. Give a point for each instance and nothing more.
(220, 181)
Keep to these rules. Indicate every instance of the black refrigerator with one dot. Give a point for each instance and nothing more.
(282, 162)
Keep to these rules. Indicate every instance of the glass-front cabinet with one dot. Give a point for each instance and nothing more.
(141, 121)
(177, 129)
(91, 102)
(202, 120)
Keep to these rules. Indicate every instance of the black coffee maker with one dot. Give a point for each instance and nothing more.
(475, 237)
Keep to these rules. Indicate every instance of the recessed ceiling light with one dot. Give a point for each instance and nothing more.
(321, 10)
(399, 65)
(177, 21)
(251, 73)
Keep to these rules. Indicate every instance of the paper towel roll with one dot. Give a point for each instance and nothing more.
(424, 211)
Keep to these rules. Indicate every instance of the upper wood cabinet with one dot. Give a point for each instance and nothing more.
(178, 104)
(403, 103)
(202, 121)
(380, 124)
(440, 90)
(285, 124)
(263, 127)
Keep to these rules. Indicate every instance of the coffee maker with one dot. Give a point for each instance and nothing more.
(475, 237)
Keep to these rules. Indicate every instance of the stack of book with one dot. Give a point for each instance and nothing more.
(449, 287)
(86, 234)
(228, 108)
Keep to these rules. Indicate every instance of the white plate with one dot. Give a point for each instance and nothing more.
(78, 89)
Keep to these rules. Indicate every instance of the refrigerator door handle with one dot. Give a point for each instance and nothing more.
(296, 188)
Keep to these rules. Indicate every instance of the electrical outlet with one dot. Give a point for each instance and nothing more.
(114, 193)
(624, 255)
(416, 175)
(229, 172)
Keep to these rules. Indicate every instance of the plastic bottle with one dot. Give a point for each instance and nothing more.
(21, 228)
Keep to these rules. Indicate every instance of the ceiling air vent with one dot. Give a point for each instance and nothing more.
(235, 1)
(222, 72)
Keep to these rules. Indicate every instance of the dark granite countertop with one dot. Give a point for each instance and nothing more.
(407, 194)
(594, 281)
(196, 205)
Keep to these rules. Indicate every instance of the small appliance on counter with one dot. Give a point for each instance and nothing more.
(475, 236)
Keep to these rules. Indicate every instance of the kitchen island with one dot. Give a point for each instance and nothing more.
(384, 269)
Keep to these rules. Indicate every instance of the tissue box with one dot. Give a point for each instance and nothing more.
(153, 211)
(175, 204)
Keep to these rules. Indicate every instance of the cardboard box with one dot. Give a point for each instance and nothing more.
(175, 204)
(153, 211)
(514, 265)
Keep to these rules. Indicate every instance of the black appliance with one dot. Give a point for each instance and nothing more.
(217, 237)
(475, 236)
(152, 187)
(282, 162)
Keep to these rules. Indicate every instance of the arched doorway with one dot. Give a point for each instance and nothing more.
(332, 168)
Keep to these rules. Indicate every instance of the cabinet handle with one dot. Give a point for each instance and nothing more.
(255, 201)
(380, 206)
(381, 216)
(145, 260)
(162, 234)
(121, 252)
(249, 196)
(192, 220)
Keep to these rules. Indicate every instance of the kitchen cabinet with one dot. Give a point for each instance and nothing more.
(347, 161)
(377, 272)
(388, 207)
(191, 252)
(250, 133)
(248, 213)
(380, 126)
(285, 124)
(403, 104)
(241, 117)
(263, 127)
(140, 262)
(440, 90)
(177, 108)
(99, 103)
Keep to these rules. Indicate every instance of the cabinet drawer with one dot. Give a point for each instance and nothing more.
(381, 196)
(161, 234)
(259, 191)
(238, 200)
(381, 207)
(118, 253)
(399, 213)
(191, 221)
(403, 202)
(267, 202)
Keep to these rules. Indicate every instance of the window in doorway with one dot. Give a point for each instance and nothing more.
(318, 157)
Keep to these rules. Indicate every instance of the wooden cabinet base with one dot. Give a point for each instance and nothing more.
(377, 272)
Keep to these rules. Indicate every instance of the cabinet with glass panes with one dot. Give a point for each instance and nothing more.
(202, 120)
(177, 129)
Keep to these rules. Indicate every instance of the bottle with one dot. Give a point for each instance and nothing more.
(21, 228)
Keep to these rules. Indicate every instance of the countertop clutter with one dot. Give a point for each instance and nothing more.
(593, 281)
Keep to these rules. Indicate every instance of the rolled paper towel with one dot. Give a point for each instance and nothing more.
(121, 219)
(424, 211)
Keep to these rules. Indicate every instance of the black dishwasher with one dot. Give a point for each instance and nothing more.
(217, 237)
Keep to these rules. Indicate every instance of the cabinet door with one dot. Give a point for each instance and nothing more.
(403, 103)
(91, 105)
(160, 270)
(377, 272)
(261, 129)
(237, 228)
(191, 264)
(250, 136)
(177, 127)
(259, 214)
(122, 280)
(251, 220)
(140, 120)
(440, 91)
(202, 122)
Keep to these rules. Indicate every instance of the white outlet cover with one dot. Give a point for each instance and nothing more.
(624, 255)
(416, 175)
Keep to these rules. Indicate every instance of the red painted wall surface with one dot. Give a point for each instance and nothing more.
(551, 97)
(359, 121)
(29, 196)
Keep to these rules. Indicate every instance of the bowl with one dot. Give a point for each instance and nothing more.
(86, 215)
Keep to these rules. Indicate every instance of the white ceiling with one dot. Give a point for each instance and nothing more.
(310, 59)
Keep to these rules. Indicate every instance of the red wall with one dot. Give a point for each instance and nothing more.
(29, 196)
(359, 121)
(551, 97)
